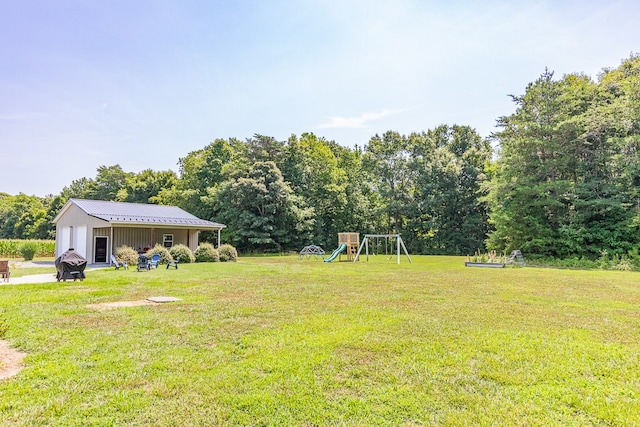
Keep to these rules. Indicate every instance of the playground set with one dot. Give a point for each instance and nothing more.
(311, 251)
(347, 243)
(350, 247)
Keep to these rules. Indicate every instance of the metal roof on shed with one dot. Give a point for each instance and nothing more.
(139, 214)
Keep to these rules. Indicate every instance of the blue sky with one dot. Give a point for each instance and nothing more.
(142, 83)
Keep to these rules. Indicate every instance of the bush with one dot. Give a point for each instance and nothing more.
(165, 256)
(207, 253)
(622, 263)
(228, 253)
(183, 252)
(127, 254)
(28, 250)
(575, 262)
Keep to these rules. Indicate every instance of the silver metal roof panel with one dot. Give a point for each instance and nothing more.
(138, 213)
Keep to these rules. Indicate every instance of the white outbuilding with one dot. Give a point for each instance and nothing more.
(95, 228)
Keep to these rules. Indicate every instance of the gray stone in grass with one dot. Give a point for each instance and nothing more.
(163, 299)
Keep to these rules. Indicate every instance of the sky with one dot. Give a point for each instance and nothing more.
(142, 83)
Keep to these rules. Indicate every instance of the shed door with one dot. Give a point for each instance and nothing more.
(65, 241)
(100, 251)
(81, 240)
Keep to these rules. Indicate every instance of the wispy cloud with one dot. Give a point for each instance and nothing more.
(356, 122)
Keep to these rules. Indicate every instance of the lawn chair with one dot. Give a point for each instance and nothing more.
(4, 270)
(155, 260)
(173, 263)
(143, 263)
(115, 262)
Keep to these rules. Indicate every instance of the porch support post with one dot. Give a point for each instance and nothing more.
(111, 247)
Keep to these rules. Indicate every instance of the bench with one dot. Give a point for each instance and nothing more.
(4, 270)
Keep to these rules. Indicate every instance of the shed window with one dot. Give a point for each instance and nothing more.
(167, 240)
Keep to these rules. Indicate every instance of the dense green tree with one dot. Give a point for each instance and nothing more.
(144, 187)
(261, 148)
(618, 113)
(109, 181)
(450, 165)
(261, 211)
(24, 217)
(83, 188)
(203, 168)
(361, 212)
(386, 160)
(533, 188)
(311, 169)
(200, 171)
(566, 166)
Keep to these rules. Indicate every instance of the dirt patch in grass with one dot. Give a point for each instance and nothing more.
(118, 304)
(10, 360)
(149, 301)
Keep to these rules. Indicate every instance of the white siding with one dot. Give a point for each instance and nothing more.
(80, 244)
(76, 218)
(65, 240)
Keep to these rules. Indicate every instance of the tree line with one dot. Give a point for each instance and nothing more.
(560, 178)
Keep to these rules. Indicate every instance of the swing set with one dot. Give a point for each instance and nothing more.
(376, 244)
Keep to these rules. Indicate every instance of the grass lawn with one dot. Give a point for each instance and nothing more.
(279, 341)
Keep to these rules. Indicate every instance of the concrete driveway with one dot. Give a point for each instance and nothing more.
(39, 278)
(32, 278)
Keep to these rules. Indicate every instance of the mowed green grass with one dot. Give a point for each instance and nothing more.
(280, 341)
